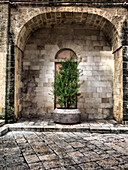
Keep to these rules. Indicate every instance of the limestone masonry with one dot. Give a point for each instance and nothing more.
(31, 35)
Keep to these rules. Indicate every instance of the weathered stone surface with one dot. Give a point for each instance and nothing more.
(3, 130)
(2, 122)
(98, 126)
(87, 151)
(38, 32)
(118, 86)
(3, 55)
(67, 116)
(125, 80)
(37, 84)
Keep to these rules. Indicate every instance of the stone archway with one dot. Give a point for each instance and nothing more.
(100, 36)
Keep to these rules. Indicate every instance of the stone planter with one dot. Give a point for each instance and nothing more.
(66, 116)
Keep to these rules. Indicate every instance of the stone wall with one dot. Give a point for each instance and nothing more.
(3, 54)
(125, 82)
(26, 18)
(125, 69)
(18, 82)
(39, 64)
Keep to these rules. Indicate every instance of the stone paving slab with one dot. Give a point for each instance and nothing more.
(63, 151)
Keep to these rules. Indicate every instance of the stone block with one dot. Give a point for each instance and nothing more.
(99, 111)
(80, 105)
(100, 116)
(90, 59)
(99, 89)
(97, 43)
(91, 116)
(106, 112)
(106, 48)
(89, 73)
(105, 105)
(31, 46)
(88, 68)
(81, 100)
(95, 95)
(90, 111)
(105, 100)
(90, 89)
(35, 68)
(26, 63)
(107, 77)
(94, 38)
(97, 59)
(109, 95)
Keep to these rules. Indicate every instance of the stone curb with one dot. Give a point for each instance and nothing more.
(2, 122)
(90, 129)
(4, 130)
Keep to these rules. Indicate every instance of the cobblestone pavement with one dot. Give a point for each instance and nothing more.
(63, 150)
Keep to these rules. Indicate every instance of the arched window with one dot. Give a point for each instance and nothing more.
(63, 54)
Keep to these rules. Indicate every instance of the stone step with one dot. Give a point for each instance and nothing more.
(3, 130)
(2, 122)
(91, 129)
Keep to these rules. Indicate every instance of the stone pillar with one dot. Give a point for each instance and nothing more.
(118, 86)
(125, 70)
(4, 7)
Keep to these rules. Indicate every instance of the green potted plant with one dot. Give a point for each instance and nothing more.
(66, 92)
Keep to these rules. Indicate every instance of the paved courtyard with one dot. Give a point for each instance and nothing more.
(63, 150)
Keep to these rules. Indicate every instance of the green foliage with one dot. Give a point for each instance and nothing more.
(67, 83)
